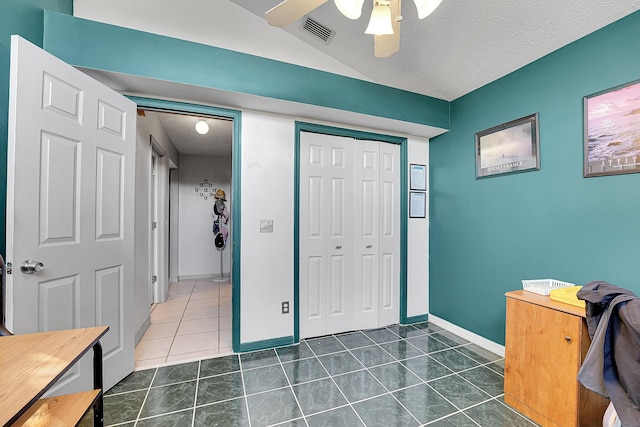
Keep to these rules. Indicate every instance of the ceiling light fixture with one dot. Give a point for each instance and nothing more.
(380, 21)
(425, 7)
(202, 127)
(384, 22)
(352, 9)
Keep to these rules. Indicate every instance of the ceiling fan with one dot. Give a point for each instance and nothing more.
(384, 23)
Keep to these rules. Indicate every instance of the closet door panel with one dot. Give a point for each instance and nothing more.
(389, 301)
(366, 208)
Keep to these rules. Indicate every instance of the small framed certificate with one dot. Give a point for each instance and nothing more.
(418, 178)
(417, 204)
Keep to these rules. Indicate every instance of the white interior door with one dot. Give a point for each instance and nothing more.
(70, 181)
(366, 209)
(349, 234)
(325, 234)
(153, 215)
(389, 231)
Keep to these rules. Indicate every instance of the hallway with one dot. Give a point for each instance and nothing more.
(194, 323)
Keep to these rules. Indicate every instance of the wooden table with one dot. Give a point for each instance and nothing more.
(30, 364)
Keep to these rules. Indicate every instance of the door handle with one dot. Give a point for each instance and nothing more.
(29, 267)
(338, 247)
(369, 246)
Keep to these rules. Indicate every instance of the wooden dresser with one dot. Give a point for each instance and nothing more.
(30, 364)
(546, 342)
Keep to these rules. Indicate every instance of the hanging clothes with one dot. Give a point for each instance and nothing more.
(611, 367)
(221, 213)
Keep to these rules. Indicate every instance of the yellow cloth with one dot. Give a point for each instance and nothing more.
(567, 296)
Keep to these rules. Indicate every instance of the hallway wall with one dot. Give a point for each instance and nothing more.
(146, 126)
(197, 254)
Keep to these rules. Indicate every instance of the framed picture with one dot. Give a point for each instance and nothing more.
(612, 131)
(509, 148)
(417, 204)
(418, 177)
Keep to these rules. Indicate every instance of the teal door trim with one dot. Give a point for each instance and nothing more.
(236, 116)
(404, 200)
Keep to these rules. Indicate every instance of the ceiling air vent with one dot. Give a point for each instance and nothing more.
(317, 30)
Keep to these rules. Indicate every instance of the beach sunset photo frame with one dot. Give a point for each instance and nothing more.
(612, 131)
(508, 148)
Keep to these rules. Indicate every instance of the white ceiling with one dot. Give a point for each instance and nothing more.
(463, 45)
(180, 128)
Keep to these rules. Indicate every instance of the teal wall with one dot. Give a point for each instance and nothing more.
(23, 17)
(487, 235)
(91, 44)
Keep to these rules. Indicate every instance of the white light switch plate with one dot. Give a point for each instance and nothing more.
(266, 226)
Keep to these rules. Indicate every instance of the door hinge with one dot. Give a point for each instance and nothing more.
(154, 279)
(154, 225)
(9, 267)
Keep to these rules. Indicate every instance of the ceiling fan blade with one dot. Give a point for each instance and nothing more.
(290, 11)
(388, 44)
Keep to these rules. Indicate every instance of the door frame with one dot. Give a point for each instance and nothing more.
(236, 163)
(404, 200)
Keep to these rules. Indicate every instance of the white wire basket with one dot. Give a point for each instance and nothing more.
(544, 286)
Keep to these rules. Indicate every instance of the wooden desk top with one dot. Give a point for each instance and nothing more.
(545, 301)
(31, 363)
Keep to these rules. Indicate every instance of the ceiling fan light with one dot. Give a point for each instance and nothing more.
(352, 9)
(380, 21)
(425, 7)
(202, 127)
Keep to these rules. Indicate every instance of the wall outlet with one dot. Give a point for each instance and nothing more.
(285, 307)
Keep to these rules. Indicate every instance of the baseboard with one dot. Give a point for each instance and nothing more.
(142, 330)
(264, 344)
(416, 319)
(468, 335)
(202, 276)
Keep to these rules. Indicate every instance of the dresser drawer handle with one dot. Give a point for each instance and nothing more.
(567, 339)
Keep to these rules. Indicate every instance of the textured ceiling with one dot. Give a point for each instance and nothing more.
(464, 44)
(180, 128)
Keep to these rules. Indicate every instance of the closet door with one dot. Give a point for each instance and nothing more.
(389, 242)
(366, 213)
(326, 251)
(376, 234)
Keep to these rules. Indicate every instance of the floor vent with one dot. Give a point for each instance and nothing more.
(317, 30)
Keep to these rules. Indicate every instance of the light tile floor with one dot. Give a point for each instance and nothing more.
(395, 376)
(194, 323)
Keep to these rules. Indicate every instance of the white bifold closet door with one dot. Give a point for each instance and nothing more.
(349, 234)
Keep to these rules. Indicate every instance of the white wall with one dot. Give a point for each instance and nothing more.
(267, 193)
(198, 256)
(418, 241)
(268, 173)
(146, 126)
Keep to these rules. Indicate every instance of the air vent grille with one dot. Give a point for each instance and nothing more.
(317, 29)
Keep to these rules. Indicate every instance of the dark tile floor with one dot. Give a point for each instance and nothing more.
(395, 376)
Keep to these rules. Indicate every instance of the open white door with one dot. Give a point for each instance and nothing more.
(70, 193)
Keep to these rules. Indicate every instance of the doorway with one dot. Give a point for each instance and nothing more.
(191, 302)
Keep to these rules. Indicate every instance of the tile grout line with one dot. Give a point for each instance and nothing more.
(195, 398)
(336, 384)
(145, 397)
(304, 418)
(244, 389)
(380, 382)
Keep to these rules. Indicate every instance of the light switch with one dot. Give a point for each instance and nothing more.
(266, 226)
